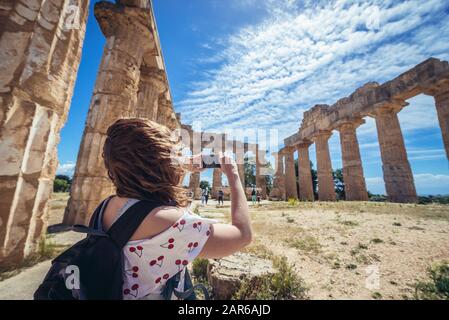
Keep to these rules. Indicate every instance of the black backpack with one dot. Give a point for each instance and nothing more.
(98, 260)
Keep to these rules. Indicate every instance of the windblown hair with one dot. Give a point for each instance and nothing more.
(138, 157)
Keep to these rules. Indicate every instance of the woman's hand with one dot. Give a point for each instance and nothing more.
(228, 165)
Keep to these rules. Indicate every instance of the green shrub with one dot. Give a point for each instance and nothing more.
(199, 269)
(293, 202)
(438, 286)
(285, 284)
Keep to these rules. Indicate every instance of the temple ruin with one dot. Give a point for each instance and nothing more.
(40, 52)
(381, 102)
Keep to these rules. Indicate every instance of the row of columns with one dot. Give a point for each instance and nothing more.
(397, 173)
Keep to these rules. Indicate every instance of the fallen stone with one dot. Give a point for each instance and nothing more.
(226, 275)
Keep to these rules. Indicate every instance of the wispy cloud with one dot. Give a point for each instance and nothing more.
(308, 53)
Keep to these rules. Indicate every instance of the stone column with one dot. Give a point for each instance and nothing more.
(290, 174)
(398, 177)
(442, 106)
(166, 115)
(326, 187)
(355, 187)
(40, 51)
(305, 173)
(128, 35)
(260, 174)
(152, 84)
(194, 184)
(216, 182)
(278, 191)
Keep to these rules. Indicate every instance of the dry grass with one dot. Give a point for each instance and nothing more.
(332, 244)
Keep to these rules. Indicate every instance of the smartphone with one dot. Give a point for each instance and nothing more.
(210, 161)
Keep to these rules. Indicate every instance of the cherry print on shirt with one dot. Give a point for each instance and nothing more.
(198, 226)
(169, 244)
(133, 272)
(137, 250)
(180, 225)
(157, 262)
(192, 246)
(133, 291)
(181, 264)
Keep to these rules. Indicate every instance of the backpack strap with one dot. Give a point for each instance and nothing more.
(95, 222)
(123, 229)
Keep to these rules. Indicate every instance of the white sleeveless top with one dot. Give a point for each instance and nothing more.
(149, 263)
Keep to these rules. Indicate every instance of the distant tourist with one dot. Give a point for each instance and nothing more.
(258, 196)
(205, 196)
(220, 197)
(254, 196)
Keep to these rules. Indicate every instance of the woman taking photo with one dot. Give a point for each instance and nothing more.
(138, 157)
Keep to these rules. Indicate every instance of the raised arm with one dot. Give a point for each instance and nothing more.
(227, 239)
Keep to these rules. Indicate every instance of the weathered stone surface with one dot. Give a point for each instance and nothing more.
(261, 182)
(305, 174)
(290, 174)
(442, 105)
(216, 182)
(326, 188)
(398, 176)
(226, 275)
(38, 68)
(355, 186)
(278, 191)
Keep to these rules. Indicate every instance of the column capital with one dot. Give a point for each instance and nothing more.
(349, 124)
(125, 21)
(304, 144)
(325, 134)
(388, 107)
(288, 149)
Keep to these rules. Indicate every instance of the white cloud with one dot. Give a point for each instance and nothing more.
(67, 168)
(309, 53)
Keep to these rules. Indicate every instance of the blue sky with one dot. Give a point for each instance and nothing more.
(261, 64)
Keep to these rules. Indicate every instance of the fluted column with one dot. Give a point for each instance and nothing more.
(398, 176)
(194, 183)
(326, 187)
(40, 54)
(128, 35)
(355, 186)
(305, 173)
(290, 174)
(442, 106)
(278, 191)
(152, 84)
(216, 182)
(261, 182)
